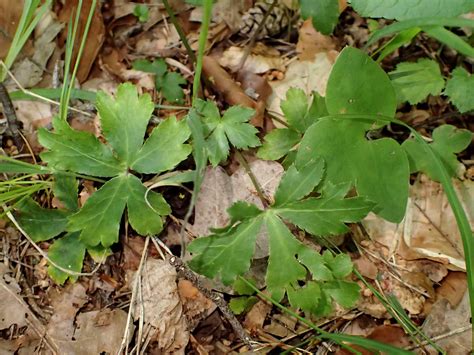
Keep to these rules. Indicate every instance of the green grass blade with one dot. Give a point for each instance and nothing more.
(419, 22)
(53, 94)
(450, 39)
(206, 19)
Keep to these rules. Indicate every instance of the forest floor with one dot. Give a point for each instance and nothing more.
(420, 261)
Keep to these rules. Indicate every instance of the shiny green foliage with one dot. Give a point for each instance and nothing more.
(413, 82)
(410, 9)
(447, 141)
(124, 120)
(232, 127)
(324, 14)
(300, 114)
(169, 83)
(228, 252)
(377, 168)
(459, 89)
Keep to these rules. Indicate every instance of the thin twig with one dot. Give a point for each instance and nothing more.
(10, 114)
(217, 298)
(441, 336)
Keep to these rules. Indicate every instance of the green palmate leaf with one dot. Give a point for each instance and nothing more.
(283, 250)
(226, 255)
(378, 168)
(65, 190)
(413, 82)
(315, 263)
(233, 127)
(239, 305)
(325, 14)
(170, 86)
(278, 143)
(345, 293)
(300, 114)
(99, 253)
(307, 298)
(326, 215)
(242, 288)
(67, 252)
(78, 151)
(459, 89)
(410, 9)
(145, 210)
(124, 120)
(164, 149)
(297, 183)
(166, 82)
(242, 210)
(99, 218)
(340, 265)
(447, 141)
(40, 223)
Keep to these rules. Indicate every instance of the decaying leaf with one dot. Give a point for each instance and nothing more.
(312, 42)
(12, 308)
(255, 63)
(429, 229)
(161, 307)
(443, 319)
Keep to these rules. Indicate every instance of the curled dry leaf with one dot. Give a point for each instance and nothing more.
(429, 229)
(196, 305)
(444, 319)
(453, 288)
(255, 63)
(161, 307)
(219, 191)
(13, 311)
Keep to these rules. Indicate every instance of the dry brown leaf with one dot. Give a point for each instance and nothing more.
(95, 38)
(453, 288)
(33, 114)
(366, 267)
(254, 85)
(312, 42)
(255, 318)
(66, 303)
(219, 191)
(196, 305)
(429, 229)
(255, 63)
(13, 311)
(443, 319)
(161, 306)
(99, 332)
(10, 13)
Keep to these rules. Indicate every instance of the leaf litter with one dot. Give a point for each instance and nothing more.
(408, 260)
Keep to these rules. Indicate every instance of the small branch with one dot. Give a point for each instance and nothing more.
(10, 114)
(217, 298)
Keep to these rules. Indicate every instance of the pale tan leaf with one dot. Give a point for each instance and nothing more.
(161, 307)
